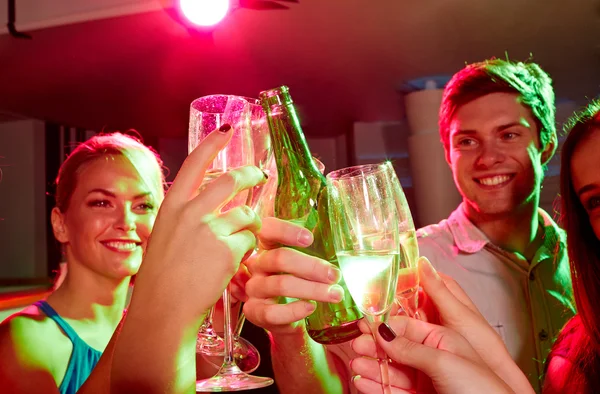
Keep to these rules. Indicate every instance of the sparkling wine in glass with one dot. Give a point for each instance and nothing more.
(408, 277)
(367, 241)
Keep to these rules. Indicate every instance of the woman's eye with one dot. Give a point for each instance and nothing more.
(593, 203)
(99, 203)
(146, 206)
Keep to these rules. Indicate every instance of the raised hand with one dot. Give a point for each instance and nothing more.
(466, 334)
(193, 253)
(278, 271)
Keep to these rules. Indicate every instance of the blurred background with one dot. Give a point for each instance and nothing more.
(366, 77)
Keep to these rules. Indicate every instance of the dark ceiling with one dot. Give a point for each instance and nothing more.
(341, 59)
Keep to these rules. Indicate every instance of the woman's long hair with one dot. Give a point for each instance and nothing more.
(584, 251)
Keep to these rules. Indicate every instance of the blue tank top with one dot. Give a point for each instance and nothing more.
(83, 358)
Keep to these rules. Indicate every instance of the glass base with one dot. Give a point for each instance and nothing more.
(234, 382)
(245, 356)
(210, 344)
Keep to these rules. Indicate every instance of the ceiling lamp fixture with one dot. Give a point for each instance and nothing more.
(204, 12)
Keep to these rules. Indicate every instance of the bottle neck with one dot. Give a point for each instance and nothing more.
(289, 141)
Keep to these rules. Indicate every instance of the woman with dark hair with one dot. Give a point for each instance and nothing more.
(574, 363)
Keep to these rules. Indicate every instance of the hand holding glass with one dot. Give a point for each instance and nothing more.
(362, 211)
(208, 114)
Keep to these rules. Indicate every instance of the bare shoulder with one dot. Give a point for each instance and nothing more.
(24, 335)
(25, 353)
(557, 379)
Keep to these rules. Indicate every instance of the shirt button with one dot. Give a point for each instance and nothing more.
(531, 276)
(543, 335)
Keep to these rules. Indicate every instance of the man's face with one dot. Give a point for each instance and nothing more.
(494, 153)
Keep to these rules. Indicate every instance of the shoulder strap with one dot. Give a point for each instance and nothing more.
(52, 314)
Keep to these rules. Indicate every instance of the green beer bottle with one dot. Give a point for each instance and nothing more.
(302, 198)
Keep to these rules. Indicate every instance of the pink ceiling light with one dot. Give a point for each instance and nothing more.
(204, 12)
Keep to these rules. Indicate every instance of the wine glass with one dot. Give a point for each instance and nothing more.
(408, 276)
(245, 354)
(367, 241)
(207, 114)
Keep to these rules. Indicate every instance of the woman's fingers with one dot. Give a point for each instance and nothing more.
(365, 385)
(401, 376)
(236, 219)
(190, 176)
(223, 189)
(240, 243)
(448, 302)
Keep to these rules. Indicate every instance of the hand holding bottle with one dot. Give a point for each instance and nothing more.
(279, 271)
(302, 198)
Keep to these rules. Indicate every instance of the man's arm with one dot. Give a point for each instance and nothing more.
(303, 366)
(300, 364)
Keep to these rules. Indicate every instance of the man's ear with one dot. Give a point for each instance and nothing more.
(59, 228)
(549, 150)
(447, 155)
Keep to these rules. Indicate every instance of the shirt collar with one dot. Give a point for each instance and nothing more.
(470, 239)
(467, 237)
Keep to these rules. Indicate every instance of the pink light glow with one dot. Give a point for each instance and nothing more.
(204, 12)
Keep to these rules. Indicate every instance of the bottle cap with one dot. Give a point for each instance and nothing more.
(277, 96)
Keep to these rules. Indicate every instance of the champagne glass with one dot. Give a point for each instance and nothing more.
(408, 276)
(207, 114)
(367, 241)
(245, 354)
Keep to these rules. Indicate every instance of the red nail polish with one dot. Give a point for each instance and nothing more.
(225, 128)
(386, 332)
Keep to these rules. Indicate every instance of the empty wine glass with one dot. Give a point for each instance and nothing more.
(367, 241)
(245, 354)
(207, 114)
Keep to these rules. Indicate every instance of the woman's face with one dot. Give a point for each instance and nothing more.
(109, 219)
(585, 175)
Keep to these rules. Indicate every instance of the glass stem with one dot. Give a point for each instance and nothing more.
(228, 362)
(240, 325)
(381, 355)
(208, 322)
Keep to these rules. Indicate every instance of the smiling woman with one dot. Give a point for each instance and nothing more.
(107, 197)
(574, 363)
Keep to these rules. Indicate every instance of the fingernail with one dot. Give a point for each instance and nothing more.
(305, 238)
(310, 306)
(427, 268)
(355, 379)
(334, 275)
(225, 128)
(386, 332)
(336, 293)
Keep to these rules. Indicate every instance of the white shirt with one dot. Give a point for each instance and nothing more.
(526, 302)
